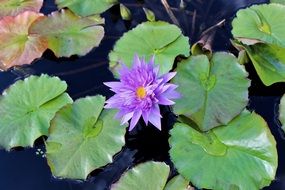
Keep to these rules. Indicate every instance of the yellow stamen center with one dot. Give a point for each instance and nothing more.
(141, 93)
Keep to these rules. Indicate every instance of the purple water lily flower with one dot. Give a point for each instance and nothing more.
(140, 91)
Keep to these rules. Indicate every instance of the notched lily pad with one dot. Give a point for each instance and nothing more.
(164, 41)
(68, 34)
(18, 46)
(86, 7)
(150, 175)
(265, 23)
(15, 7)
(27, 107)
(178, 183)
(82, 138)
(213, 91)
(240, 155)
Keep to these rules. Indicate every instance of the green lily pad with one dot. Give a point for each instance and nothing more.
(164, 41)
(27, 107)
(268, 61)
(86, 7)
(68, 34)
(241, 155)
(178, 183)
(282, 112)
(265, 23)
(278, 1)
(83, 137)
(148, 176)
(213, 91)
(15, 7)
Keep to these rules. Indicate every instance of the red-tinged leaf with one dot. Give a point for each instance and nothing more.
(17, 45)
(15, 7)
(69, 34)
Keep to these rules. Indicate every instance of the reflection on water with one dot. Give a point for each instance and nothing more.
(28, 170)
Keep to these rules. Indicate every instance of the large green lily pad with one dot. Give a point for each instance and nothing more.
(82, 138)
(86, 7)
(68, 34)
(282, 112)
(265, 23)
(268, 61)
(148, 176)
(213, 91)
(27, 107)
(241, 155)
(164, 41)
(278, 1)
(15, 7)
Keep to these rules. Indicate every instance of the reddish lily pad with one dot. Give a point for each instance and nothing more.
(15, 7)
(18, 46)
(68, 34)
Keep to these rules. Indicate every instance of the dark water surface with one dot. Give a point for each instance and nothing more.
(27, 170)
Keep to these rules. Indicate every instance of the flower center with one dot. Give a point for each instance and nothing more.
(141, 93)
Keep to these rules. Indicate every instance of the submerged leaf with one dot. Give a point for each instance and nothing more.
(68, 34)
(282, 112)
(164, 41)
(18, 46)
(213, 91)
(15, 7)
(265, 23)
(240, 155)
(86, 7)
(146, 176)
(83, 137)
(27, 107)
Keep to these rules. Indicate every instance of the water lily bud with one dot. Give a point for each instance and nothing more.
(125, 12)
(149, 14)
(182, 4)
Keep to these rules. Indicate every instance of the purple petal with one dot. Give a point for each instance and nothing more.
(155, 118)
(126, 118)
(164, 101)
(168, 76)
(135, 119)
(145, 115)
(136, 61)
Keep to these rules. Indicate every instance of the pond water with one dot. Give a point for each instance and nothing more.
(26, 169)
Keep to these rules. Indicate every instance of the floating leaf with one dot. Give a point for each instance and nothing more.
(83, 137)
(265, 23)
(68, 34)
(178, 183)
(15, 7)
(278, 1)
(268, 61)
(18, 46)
(86, 7)
(148, 176)
(282, 112)
(213, 92)
(27, 107)
(241, 155)
(161, 39)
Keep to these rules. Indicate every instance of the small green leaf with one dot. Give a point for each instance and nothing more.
(15, 7)
(240, 155)
(86, 7)
(146, 176)
(164, 41)
(264, 22)
(177, 183)
(268, 61)
(68, 34)
(205, 86)
(83, 137)
(282, 112)
(27, 108)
